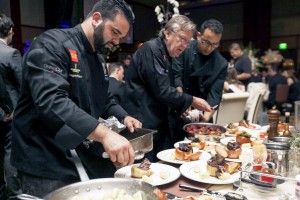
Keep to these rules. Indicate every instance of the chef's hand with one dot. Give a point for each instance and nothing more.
(186, 113)
(201, 104)
(132, 123)
(116, 146)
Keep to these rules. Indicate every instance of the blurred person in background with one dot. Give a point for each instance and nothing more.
(150, 82)
(126, 63)
(274, 79)
(232, 84)
(242, 63)
(11, 72)
(64, 92)
(116, 84)
(292, 81)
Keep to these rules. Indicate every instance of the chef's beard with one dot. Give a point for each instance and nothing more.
(99, 40)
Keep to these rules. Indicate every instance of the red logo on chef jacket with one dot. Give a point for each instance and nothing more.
(74, 59)
(165, 58)
(73, 55)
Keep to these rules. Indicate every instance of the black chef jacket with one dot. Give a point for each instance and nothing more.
(149, 86)
(199, 75)
(64, 91)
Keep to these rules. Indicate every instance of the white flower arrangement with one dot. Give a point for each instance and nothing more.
(163, 15)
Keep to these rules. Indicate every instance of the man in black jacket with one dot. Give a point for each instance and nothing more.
(5, 101)
(64, 92)
(11, 72)
(200, 71)
(116, 82)
(150, 83)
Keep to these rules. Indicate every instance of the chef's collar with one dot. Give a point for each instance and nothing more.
(165, 48)
(87, 46)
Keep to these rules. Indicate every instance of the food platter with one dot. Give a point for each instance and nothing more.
(224, 141)
(157, 168)
(176, 145)
(187, 170)
(210, 131)
(169, 156)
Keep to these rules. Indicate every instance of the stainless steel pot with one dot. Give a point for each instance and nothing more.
(95, 189)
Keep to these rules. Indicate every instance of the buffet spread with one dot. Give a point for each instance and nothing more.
(237, 161)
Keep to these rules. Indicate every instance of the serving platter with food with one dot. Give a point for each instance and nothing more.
(208, 171)
(243, 125)
(244, 139)
(169, 156)
(194, 144)
(212, 132)
(153, 173)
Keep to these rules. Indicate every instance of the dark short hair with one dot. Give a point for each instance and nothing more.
(213, 25)
(110, 8)
(235, 46)
(5, 25)
(113, 67)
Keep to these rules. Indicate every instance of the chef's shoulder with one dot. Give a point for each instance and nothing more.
(54, 39)
(217, 56)
(154, 45)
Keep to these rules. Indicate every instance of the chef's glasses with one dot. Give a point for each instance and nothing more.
(208, 43)
(181, 38)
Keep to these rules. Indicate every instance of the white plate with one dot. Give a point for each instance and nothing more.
(169, 156)
(157, 168)
(257, 126)
(224, 141)
(187, 170)
(176, 145)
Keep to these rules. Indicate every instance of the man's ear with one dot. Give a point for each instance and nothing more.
(97, 18)
(198, 34)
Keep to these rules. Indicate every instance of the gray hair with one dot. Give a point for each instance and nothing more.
(176, 23)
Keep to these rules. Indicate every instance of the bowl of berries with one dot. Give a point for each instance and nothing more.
(209, 131)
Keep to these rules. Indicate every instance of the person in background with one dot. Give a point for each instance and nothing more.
(232, 84)
(116, 84)
(150, 82)
(256, 76)
(274, 79)
(11, 72)
(64, 92)
(7, 106)
(242, 63)
(126, 62)
(292, 81)
(201, 70)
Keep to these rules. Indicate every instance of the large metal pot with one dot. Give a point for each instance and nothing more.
(95, 189)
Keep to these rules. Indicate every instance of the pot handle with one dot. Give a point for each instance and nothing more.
(28, 197)
(79, 166)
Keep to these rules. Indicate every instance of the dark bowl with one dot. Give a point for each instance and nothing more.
(207, 130)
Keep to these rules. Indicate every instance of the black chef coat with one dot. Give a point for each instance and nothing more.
(149, 86)
(64, 91)
(199, 75)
